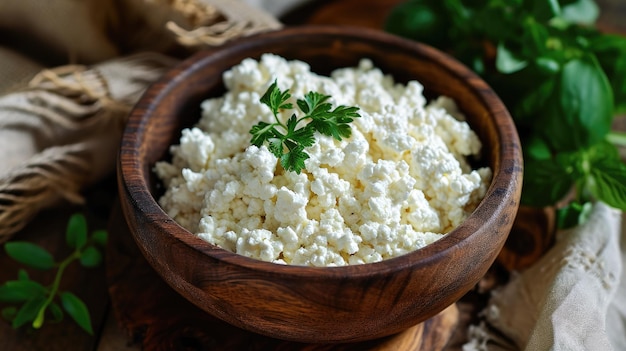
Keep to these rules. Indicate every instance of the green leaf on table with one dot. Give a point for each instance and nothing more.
(22, 275)
(76, 232)
(20, 290)
(580, 112)
(77, 309)
(28, 312)
(9, 313)
(91, 257)
(100, 237)
(30, 254)
(56, 312)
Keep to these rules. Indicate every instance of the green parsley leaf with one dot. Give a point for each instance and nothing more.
(293, 160)
(289, 143)
(261, 132)
(276, 99)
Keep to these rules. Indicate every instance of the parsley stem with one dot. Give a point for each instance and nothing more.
(616, 138)
(278, 122)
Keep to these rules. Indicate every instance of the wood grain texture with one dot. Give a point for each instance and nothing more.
(533, 233)
(155, 317)
(305, 304)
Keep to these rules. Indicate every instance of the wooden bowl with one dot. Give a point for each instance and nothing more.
(309, 304)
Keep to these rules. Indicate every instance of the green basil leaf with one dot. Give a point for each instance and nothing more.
(535, 37)
(547, 65)
(581, 12)
(536, 148)
(418, 20)
(545, 183)
(459, 15)
(603, 151)
(531, 106)
(28, 312)
(497, 23)
(611, 53)
(543, 10)
(76, 232)
(507, 61)
(573, 214)
(29, 254)
(20, 290)
(580, 112)
(77, 309)
(609, 182)
(91, 257)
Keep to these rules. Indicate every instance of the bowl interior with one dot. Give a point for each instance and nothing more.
(447, 268)
(181, 90)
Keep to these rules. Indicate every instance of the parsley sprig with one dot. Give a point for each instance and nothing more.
(286, 140)
(562, 79)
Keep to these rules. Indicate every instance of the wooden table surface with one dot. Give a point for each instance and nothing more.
(48, 228)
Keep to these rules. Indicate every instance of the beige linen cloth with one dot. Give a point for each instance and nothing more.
(70, 71)
(573, 298)
(63, 105)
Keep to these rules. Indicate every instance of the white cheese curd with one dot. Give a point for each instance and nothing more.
(400, 182)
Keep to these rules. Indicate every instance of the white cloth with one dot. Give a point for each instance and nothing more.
(573, 298)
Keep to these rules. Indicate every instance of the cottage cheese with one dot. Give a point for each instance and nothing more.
(400, 182)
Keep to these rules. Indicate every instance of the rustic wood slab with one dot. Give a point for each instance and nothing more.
(155, 317)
